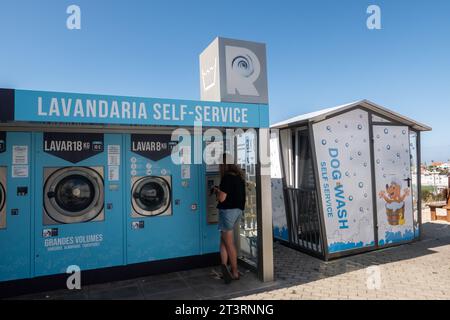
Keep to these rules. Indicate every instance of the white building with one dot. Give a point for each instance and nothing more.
(434, 178)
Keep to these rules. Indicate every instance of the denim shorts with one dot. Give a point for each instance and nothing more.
(228, 218)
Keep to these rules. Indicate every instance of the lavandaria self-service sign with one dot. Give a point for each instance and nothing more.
(36, 106)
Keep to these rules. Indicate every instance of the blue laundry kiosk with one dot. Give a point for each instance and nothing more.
(89, 180)
(118, 187)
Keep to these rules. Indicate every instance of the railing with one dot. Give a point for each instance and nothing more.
(303, 219)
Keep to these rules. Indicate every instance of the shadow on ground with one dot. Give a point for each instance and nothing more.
(291, 268)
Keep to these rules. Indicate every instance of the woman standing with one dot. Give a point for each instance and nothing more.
(231, 203)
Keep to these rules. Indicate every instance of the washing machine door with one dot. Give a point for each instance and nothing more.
(73, 195)
(2, 196)
(151, 196)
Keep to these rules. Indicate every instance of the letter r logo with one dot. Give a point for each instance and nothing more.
(242, 70)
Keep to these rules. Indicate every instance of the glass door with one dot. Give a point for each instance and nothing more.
(246, 150)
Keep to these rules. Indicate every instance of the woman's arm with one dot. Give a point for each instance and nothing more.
(220, 195)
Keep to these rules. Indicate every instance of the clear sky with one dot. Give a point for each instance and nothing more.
(320, 53)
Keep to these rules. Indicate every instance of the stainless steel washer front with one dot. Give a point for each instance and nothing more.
(151, 196)
(3, 172)
(73, 195)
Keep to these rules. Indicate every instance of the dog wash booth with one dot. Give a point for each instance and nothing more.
(344, 180)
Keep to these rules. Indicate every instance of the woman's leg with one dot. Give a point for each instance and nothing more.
(228, 240)
(223, 251)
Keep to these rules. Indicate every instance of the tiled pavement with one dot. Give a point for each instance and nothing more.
(419, 270)
(414, 271)
(185, 285)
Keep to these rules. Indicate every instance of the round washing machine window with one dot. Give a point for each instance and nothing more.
(151, 196)
(74, 195)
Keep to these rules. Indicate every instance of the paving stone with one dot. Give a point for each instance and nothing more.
(420, 270)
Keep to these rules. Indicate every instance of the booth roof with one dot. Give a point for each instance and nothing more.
(320, 115)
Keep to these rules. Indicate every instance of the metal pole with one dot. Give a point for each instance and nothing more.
(264, 214)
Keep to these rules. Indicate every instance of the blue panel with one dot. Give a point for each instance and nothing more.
(15, 252)
(164, 236)
(86, 108)
(89, 245)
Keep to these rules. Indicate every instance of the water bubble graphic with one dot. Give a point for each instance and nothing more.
(359, 153)
(365, 164)
(386, 131)
(347, 145)
(329, 128)
(365, 195)
(361, 184)
(324, 142)
(378, 136)
(350, 198)
(336, 140)
(378, 161)
(347, 174)
(398, 154)
(388, 147)
(404, 132)
(359, 127)
(361, 209)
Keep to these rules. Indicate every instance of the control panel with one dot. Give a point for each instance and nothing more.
(212, 213)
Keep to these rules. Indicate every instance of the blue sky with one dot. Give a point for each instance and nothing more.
(320, 53)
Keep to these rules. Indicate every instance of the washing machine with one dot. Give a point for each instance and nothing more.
(151, 196)
(2, 197)
(73, 195)
(163, 215)
(78, 201)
